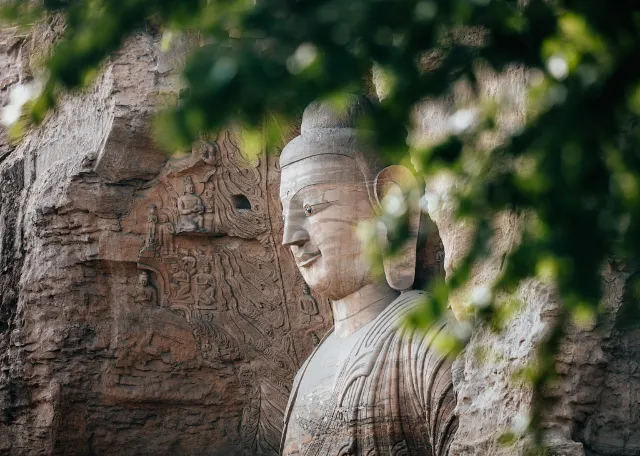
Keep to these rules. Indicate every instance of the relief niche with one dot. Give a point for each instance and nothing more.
(211, 263)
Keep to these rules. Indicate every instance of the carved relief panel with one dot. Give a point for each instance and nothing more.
(210, 255)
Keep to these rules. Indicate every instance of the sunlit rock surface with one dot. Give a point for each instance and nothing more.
(593, 408)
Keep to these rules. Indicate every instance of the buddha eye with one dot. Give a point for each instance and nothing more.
(312, 209)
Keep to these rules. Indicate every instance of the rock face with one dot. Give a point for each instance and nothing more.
(147, 306)
(12, 182)
(592, 408)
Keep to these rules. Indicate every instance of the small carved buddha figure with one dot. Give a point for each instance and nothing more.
(182, 284)
(145, 293)
(152, 222)
(190, 208)
(205, 287)
(165, 234)
(372, 386)
(209, 195)
(308, 304)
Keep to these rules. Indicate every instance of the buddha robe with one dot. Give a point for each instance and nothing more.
(392, 395)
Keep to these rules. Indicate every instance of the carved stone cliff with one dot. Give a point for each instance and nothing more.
(146, 306)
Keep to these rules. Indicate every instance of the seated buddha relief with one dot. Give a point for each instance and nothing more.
(373, 386)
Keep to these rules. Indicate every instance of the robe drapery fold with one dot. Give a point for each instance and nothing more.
(393, 395)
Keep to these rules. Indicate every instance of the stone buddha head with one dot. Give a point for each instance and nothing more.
(332, 180)
(189, 188)
(143, 279)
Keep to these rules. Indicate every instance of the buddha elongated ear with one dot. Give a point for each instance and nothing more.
(397, 193)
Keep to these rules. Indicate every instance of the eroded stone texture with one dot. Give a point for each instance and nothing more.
(592, 408)
(13, 395)
(14, 69)
(599, 371)
(208, 235)
(105, 348)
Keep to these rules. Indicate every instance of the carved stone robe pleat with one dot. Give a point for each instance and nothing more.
(393, 396)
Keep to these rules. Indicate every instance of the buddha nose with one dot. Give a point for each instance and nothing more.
(294, 234)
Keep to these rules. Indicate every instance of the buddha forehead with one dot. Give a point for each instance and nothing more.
(319, 170)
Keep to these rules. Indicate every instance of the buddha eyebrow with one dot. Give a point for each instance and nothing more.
(305, 187)
(339, 184)
(319, 203)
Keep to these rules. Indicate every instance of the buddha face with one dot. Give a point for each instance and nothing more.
(143, 279)
(324, 198)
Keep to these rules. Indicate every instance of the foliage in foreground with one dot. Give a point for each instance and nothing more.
(575, 163)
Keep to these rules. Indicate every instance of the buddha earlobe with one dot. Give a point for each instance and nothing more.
(397, 193)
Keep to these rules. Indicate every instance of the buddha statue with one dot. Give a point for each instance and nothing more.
(146, 293)
(373, 386)
(205, 287)
(191, 209)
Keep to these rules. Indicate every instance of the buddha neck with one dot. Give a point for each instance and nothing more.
(357, 309)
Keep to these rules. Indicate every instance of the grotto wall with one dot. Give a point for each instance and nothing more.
(146, 306)
(592, 407)
(129, 323)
